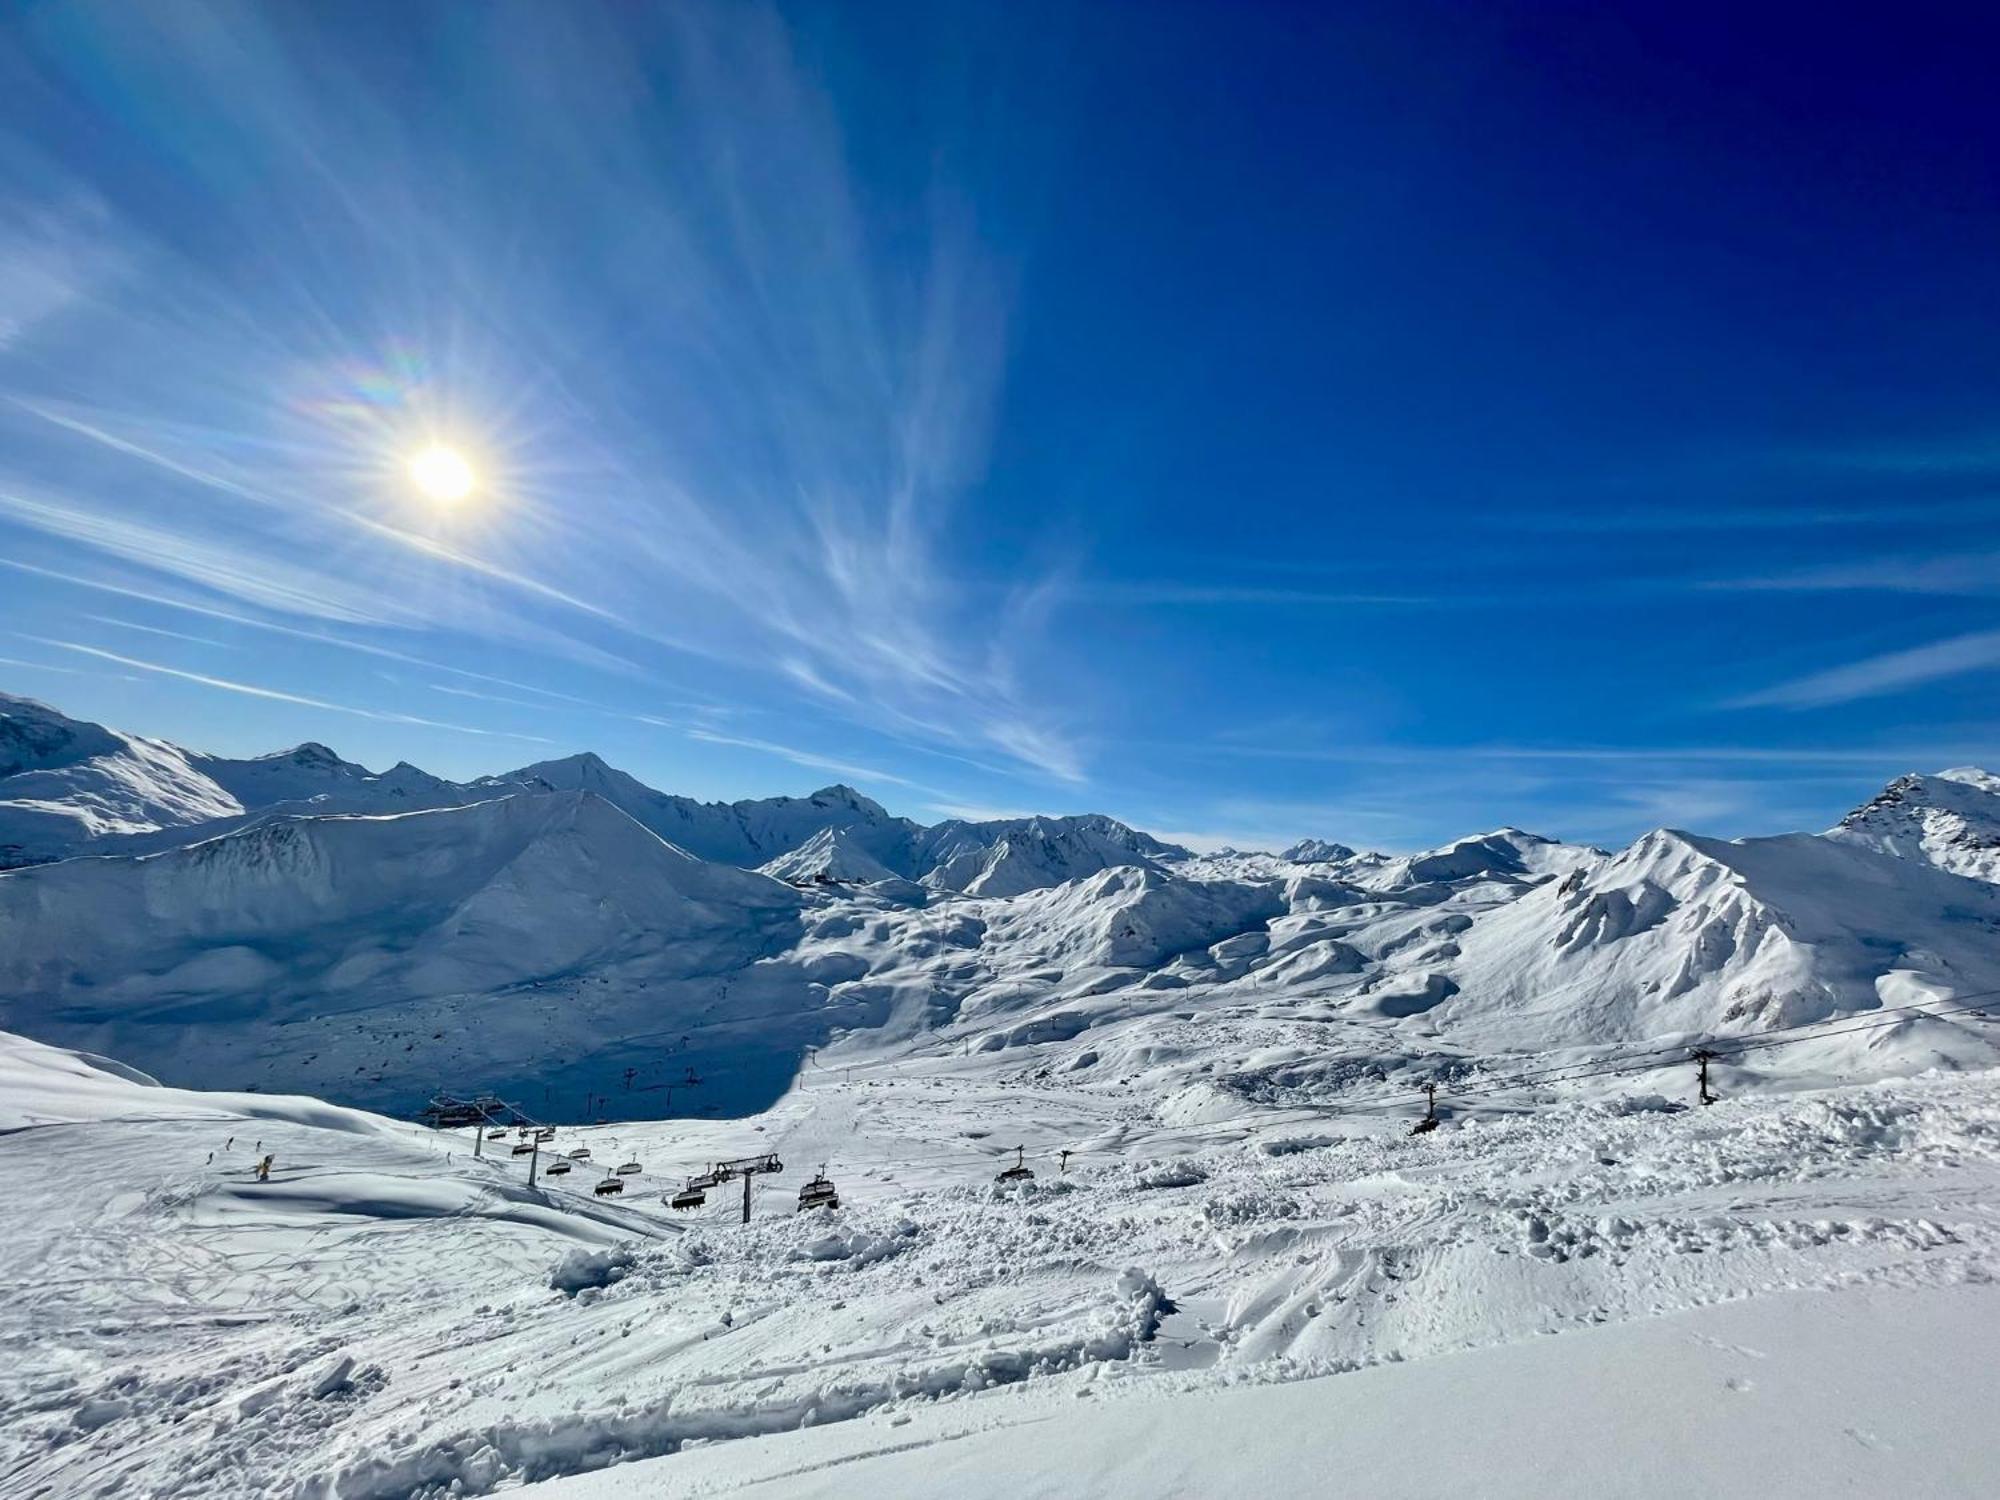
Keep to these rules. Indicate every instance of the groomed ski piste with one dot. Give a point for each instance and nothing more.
(1581, 1282)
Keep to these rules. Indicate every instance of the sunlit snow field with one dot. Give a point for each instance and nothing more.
(388, 1316)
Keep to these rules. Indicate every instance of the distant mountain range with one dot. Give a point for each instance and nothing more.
(68, 787)
(296, 921)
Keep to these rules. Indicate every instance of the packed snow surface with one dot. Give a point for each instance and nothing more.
(1573, 1289)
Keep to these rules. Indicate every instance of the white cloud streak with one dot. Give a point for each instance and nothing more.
(252, 690)
(798, 757)
(1878, 676)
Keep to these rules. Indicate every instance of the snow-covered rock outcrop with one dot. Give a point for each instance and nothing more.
(1951, 819)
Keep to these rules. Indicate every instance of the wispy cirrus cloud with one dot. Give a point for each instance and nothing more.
(1878, 676)
(279, 695)
(1172, 592)
(253, 577)
(1954, 573)
(53, 254)
(809, 758)
(184, 636)
(770, 492)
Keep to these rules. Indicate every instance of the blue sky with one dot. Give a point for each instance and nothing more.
(1378, 422)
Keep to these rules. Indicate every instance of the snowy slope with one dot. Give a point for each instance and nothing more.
(1682, 934)
(831, 856)
(1780, 1295)
(271, 939)
(65, 783)
(1879, 1392)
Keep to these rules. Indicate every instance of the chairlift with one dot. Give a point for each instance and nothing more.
(546, 1133)
(522, 1133)
(1430, 1120)
(555, 1168)
(1018, 1172)
(706, 1179)
(522, 1148)
(630, 1169)
(499, 1133)
(609, 1186)
(581, 1153)
(688, 1197)
(819, 1193)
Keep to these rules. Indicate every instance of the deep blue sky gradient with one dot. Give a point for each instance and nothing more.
(1369, 421)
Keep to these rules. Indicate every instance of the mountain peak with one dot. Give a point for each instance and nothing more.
(840, 794)
(309, 754)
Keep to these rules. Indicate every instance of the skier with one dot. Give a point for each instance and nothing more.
(264, 1170)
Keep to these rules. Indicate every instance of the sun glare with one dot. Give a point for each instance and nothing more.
(442, 474)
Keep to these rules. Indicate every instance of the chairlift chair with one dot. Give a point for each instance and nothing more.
(555, 1168)
(581, 1153)
(1430, 1120)
(688, 1197)
(499, 1133)
(819, 1193)
(1018, 1172)
(630, 1169)
(522, 1148)
(609, 1186)
(704, 1180)
(546, 1133)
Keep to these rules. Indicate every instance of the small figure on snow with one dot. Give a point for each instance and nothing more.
(264, 1169)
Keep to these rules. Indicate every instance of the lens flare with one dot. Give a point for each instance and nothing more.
(442, 474)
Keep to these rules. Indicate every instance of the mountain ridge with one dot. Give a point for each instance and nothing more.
(298, 921)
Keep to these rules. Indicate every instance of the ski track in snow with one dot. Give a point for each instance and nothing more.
(379, 1319)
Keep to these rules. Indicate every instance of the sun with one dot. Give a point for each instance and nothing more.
(442, 474)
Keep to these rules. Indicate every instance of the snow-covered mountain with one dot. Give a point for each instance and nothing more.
(320, 950)
(1682, 934)
(69, 787)
(1211, 1065)
(747, 833)
(1010, 856)
(852, 838)
(1316, 851)
(65, 784)
(1951, 819)
(266, 921)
